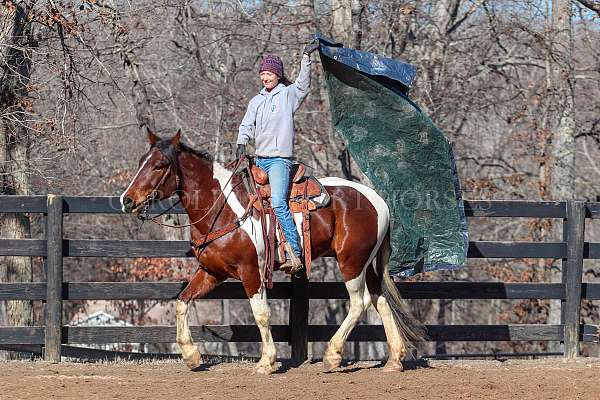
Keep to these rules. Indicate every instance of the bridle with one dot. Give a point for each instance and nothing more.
(151, 197)
(212, 235)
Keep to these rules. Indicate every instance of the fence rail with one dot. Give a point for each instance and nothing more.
(572, 250)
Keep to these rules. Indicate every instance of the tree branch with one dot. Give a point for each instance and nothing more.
(470, 11)
(593, 5)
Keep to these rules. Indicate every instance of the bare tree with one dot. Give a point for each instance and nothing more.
(16, 42)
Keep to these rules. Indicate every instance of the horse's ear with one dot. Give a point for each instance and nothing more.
(152, 138)
(175, 140)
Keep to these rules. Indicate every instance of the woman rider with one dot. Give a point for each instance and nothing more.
(269, 120)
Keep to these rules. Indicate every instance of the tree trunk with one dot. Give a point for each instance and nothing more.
(433, 50)
(563, 148)
(341, 11)
(15, 61)
(563, 130)
(349, 21)
(358, 23)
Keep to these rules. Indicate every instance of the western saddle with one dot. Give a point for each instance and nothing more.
(306, 194)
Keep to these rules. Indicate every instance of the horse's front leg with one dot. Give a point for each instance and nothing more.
(257, 294)
(200, 285)
(262, 313)
(189, 351)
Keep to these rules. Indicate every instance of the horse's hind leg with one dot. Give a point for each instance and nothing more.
(201, 284)
(396, 347)
(395, 322)
(333, 356)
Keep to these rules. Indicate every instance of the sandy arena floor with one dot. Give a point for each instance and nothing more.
(490, 380)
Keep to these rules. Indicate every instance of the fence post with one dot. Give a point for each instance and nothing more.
(299, 319)
(54, 279)
(575, 239)
(563, 270)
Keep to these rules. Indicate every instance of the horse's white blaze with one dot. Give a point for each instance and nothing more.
(262, 314)
(383, 211)
(132, 181)
(251, 225)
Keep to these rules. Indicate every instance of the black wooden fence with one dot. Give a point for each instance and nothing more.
(572, 250)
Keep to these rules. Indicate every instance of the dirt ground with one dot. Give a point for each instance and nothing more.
(533, 379)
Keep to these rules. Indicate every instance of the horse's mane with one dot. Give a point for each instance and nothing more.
(202, 154)
(167, 149)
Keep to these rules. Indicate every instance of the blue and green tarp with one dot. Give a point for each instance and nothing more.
(407, 158)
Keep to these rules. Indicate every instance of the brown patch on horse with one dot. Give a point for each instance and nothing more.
(373, 281)
(229, 255)
(200, 285)
(355, 233)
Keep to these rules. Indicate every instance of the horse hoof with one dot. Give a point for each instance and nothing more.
(331, 363)
(194, 360)
(393, 367)
(264, 370)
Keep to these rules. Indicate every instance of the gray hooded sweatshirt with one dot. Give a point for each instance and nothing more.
(269, 119)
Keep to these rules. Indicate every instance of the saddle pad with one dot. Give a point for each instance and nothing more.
(315, 191)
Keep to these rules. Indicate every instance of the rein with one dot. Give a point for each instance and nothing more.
(211, 236)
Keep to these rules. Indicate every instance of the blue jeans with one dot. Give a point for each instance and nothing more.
(278, 169)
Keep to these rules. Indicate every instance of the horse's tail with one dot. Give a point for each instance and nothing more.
(410, 329)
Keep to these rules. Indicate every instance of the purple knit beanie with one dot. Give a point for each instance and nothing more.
(271, 63)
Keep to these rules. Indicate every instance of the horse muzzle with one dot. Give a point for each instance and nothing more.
(128, 205)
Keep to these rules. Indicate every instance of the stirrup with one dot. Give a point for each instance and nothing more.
(293, 263)
(289, 268)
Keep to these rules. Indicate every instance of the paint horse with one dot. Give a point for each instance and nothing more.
(353, 228)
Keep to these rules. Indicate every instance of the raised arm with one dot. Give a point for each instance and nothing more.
(299, 89)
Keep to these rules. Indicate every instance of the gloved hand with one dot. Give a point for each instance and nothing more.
(241, 151)
(312, 46)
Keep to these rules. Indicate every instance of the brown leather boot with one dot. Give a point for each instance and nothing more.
(293, 263)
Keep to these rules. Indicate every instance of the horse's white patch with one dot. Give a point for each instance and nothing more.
(260, 309)
(251, 225)
(298, 221)
(383, 211)
(356, 289)
(132, 181)
(319, 198)
(262, 313)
